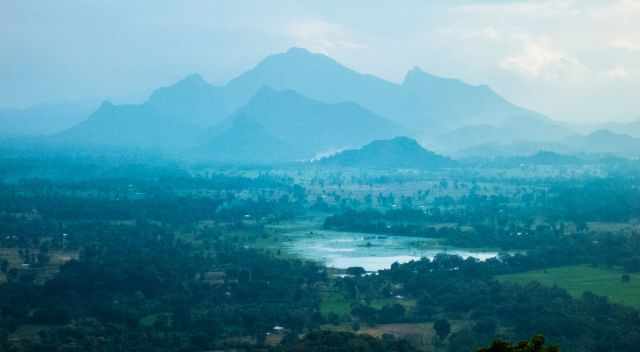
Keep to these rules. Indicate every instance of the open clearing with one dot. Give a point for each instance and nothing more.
(577, 279)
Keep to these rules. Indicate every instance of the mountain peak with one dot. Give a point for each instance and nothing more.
(418, 76)
(194, 79)
(295, 50)
(183, 88)
(415, 70)
(296, 58)
(106, 107)
(106, 104)
(605, 133)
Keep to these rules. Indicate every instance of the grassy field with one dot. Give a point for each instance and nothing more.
(580, 278)
(334, 302)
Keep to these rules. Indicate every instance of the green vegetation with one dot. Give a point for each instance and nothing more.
(577, 279)
(536, 344)
(334, 302)
(186, 261)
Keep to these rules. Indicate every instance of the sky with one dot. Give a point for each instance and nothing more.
(576, 61)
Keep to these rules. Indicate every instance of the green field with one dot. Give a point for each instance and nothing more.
(334, 302)
(580, 278)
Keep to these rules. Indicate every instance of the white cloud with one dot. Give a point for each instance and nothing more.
(624, 44)
(539, 59)
(540, 8)
(617, 73)
(322, 36)
(623, 11)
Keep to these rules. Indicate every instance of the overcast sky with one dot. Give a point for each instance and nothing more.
(573, 60)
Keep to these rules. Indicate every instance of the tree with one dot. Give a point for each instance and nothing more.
(356, 271)
(355, 325)
(536, 344)
(442, 328)
(4, 266)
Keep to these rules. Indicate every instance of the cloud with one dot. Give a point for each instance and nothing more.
(538, 58)
(322, 36)
(617, 73)
(540, 8)
(624, 44)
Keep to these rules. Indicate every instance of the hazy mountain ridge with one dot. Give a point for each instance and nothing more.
(631, 128)
(606, 142)
(246, 141)
(316, 104)
(192, 99)
(601, 142)
(396, 153)
(425, 103)
(131, 126)
(307, 126)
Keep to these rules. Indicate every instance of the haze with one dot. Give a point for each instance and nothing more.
(289, 176)
(575, 61)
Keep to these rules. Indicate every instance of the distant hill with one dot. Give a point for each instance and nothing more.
(631, 128)
(131, 126)
(606, 142)
(174, 118)
(191, 100)
(308, 127)
(525, 131)
(544, 157)
(396, 153)
(601, 142)
(246, 141)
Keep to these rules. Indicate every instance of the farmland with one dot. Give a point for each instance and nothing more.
(578, 279)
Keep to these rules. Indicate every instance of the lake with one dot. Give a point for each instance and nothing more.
(372, 252)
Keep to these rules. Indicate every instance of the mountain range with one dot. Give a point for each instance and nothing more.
(298, 105)
(425, 104)
(600, 142)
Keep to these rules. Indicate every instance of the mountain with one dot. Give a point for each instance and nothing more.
(246, 141)
(316, 76)
(43, 119)
(308, 127)
(396, 153)
(425, 103)
(606, 142)
(187, 114)
(523, 131)
(191, 100)
(630, 128)
(172, 119)
(131, 126)
(601, 142)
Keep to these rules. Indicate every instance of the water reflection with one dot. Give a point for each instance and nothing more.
(372, 252)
